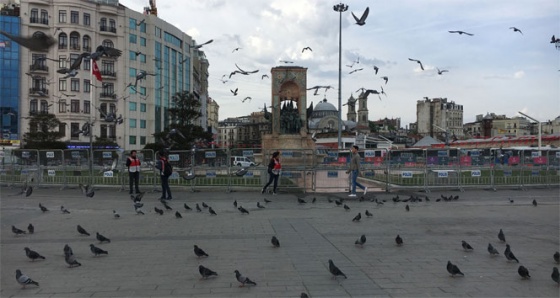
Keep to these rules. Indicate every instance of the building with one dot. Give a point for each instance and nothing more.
(212, 113)
(245, 131)
(10, 109)
(551, 126)
(158, 60)
(436, 116)
(387, 125)
(511, 127)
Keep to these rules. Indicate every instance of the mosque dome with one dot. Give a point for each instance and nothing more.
(323, 108)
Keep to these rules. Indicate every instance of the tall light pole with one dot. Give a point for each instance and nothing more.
(540, 128)
(340, 8)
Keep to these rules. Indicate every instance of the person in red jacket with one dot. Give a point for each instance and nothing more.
(274, 169)
(133, 165)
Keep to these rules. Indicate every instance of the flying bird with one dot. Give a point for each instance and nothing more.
(236, 49)
(355, 70)
(38, 42)
(234, 92)
(103, 51)
(417, 61)
(554, 39)
(362, 20)
(376, 69)
(516, 30)
(275, 241)
(140, 76)
(243, 280)
(141, 22)
(24, 280)
(386, 79)
(206, 272)
(97, 251)
(201, 45)
(440, 72)
(246, 98)
(335, 271)
(461, 32)
(264, 76)
(453, 269)
(306, 48)
(286, 62)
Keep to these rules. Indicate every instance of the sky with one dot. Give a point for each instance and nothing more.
(496, 70)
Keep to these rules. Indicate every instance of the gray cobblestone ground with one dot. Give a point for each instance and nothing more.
(152, 255)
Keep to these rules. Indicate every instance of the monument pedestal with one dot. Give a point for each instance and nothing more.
(272, 142)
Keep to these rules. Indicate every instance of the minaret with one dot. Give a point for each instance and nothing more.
(351, 114)
(363, 113)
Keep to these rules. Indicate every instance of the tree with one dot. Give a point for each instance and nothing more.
(373, 127)
(44, 132)
(184, 112)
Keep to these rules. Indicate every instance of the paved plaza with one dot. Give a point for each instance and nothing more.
(152, 255)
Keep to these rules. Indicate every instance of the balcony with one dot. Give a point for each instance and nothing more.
(109, 74)
(38, 21)
(62, 46)
(39, 91)
(103, 28)
(34, 67)
(75, 47)
(108, 96)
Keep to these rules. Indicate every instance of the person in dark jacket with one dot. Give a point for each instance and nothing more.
(133, 165)
(274, 169)
(160, 165)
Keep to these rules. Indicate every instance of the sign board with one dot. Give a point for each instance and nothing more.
(475, 173)
(24, 172)
(369, 153)
(50, 154)
(248, 153)
(535, 154)
(211, 174)
(173, 157)
(332, 174)
(507, 172)
(332, 153)
(249, 174)
(557, 154)
(210, 154)
(75, 154)
(475, 153)
(174, 175)
(51, 172)
(108, 173)
(369, 174)
(406, 174)
(535, 173)
(25, 154)
(442, 153)
(107, 154)
(443, 174)
(287, 154)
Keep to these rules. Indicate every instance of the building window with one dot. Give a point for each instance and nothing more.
(132, 106)
(44, 17)
(132, 140)
(62, 105)
(107, 66)
(87, 19)
(143, 107)
(74, 17)
(86, 64)
(132, 123)
(62, 40)
(34, 16)
(62, 16)
(74, 106)
(87, 107)
(158, 32)
(132, 72)
(142, 90)
(62, 129)
(75, 85)
(108, 89)
(38, 61)
(61, 61)
(103, 130)
(75, 130)
(132, 38)
(112, 131)
(132, 24)
(73, 58)
(143, 41)
(87, 86)
(103, 24)
(86, 43)
(142, 123)
(132, 55)
(112, 26)
(142, 58)
(62, 85)
(44, 107)
(142, 140)
(33, 106)
(143, 27)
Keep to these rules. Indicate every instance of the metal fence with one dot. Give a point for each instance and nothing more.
(322, 170)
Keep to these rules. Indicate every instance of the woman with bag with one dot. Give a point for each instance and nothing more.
(274, 169)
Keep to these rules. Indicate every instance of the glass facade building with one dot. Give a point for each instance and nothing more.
(9, 79)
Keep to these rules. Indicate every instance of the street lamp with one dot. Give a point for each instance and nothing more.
(340, 8)
(446, 131)
(540, 128)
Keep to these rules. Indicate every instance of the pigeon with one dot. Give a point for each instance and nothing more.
(407, 208)
(399, 240)
(461, 32)
(97, 251)
(360, 241)
(17, 231)
(236, 49)
(510, 200)
(178, 215)
(357, 217)
(205, 272)
(71, 260)
(555, 275)
(199, 252)
(368, 214)
(335, 271)
(198, 208)
(362, 20)
(33, 255)
(509, 255)
(25, 280)
(43, 208)
(386, 79)
(137, 208)
(267, 201)
(28, 191)
(440, 72)
(64, 210)
(417, 61)
(466, 246)
(204, 205)
(337, 202)
(346, 207)
(264, 76)
(501, 236)
(38, 42)
(376, 69)
(523, 272)
(534, 202)
(355, 70)
(164, 203)
(212, 212)
(314, 200)
(30, 229)
(68, 250)
(554, 39)
(557, 257)
(138, 197)
(105, 51)
(453, 269)
(516, 30)
(187, 206)
(116, 214)
(235, 203)
(259, 205)
(301, 201)
(102, 238)
(275, 241)
(157, 210)
(82, 230)
(243, 280)
(242, 210)
(493, 251)
(303, 295)
(234, 92)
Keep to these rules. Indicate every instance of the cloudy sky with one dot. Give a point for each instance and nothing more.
(496, 70)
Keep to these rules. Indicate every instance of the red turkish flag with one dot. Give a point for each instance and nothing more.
(95, 71)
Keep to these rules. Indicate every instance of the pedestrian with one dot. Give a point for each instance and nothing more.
(354, 171)
(165, 170)
(133, 164)
(274, 169)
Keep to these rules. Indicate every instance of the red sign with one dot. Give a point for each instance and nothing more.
(466, 160)
(539, 160)
(514, 160)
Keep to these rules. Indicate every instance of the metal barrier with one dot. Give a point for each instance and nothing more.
(76, 167)
(254, 161)
(51, 165)
(105, 167)
(407, 169)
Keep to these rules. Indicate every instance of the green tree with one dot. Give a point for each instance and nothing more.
(373, 127)
(44, 132)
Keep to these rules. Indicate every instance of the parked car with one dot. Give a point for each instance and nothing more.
(241, 161)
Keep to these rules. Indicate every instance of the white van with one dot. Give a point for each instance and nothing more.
(241, 161)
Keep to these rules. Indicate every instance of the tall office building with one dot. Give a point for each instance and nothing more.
(436, 116)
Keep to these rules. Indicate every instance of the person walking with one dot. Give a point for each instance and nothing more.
(133, 164)
(354, 171)
(165, 170)
(274, 169)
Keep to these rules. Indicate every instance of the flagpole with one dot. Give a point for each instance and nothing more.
(91, 111)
